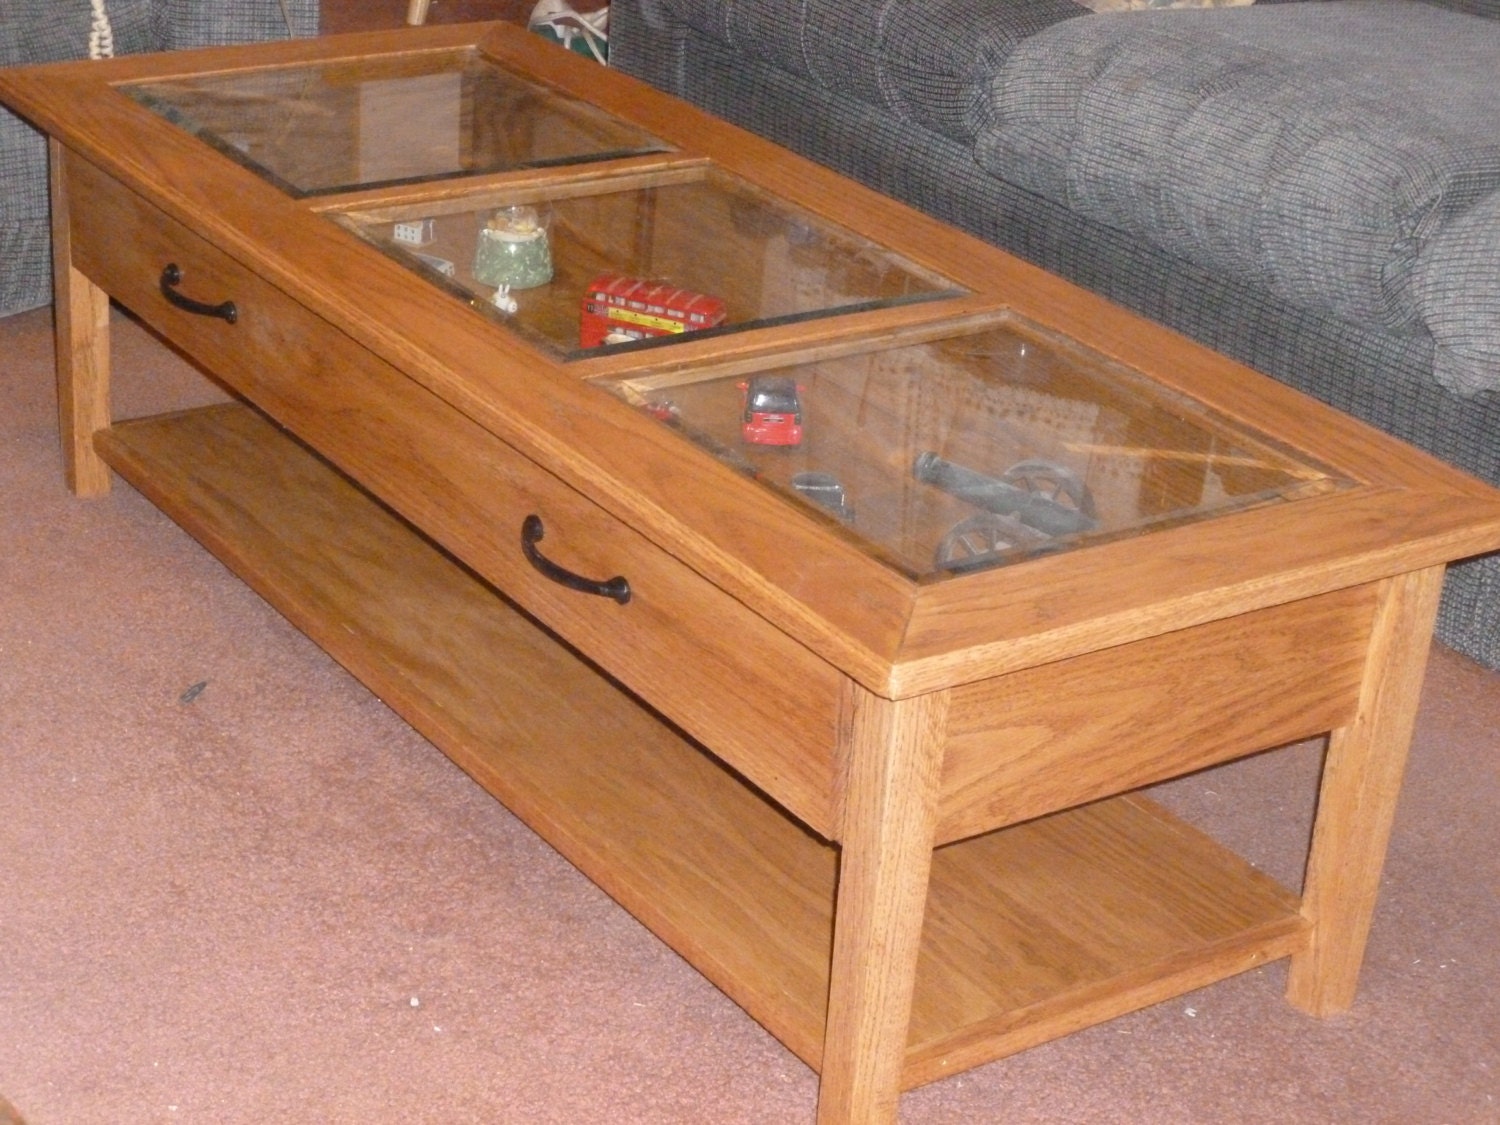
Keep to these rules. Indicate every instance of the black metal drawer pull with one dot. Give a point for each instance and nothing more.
(532, 533)
(171, 277)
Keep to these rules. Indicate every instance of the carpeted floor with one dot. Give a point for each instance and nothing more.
(235, 888)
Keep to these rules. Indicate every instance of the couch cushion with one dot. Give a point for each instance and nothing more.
(923, 60)
(1312, 149)
(1457, 284)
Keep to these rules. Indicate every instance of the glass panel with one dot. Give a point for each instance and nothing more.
(977, 450)
(338, 126)
(628, 265)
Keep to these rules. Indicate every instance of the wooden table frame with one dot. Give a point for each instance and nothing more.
(1326, 629)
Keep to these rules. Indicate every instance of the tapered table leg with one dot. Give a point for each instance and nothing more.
(1357, 802)
(81, 327)
(889, 823)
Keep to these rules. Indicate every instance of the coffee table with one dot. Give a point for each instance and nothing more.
(820, 581)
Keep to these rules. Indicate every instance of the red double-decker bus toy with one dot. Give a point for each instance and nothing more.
(618, 308)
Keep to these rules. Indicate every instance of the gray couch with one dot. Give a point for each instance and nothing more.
(34, 31)
(1312, 188)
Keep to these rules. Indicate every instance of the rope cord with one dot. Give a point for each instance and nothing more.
(101, 34)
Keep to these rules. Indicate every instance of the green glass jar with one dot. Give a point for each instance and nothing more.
(513, 250)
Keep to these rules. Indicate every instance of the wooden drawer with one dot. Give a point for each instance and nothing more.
(758, 699)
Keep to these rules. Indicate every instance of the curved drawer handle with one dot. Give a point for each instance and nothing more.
(531, 534)
(171, 277)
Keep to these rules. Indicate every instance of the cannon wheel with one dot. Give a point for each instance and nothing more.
(1052, 482)
(981, 539)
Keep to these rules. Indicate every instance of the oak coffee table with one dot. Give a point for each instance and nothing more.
(820, 581)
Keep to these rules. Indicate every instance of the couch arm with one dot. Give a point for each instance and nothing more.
(33, 31)
(1309, 150)
(923, 60)
(1457, 285)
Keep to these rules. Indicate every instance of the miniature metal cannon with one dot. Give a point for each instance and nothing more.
(1042, 495)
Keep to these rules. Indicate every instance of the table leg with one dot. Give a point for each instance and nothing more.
(1357, 802)
(81, 330)
(889, 823)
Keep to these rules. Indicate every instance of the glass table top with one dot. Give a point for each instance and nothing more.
(642, 261)
(332, 127)
(977, 450)
(951, 450)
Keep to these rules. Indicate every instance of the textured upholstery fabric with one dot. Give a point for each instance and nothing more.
(1381, 376)
(1488, 8)
(42, 31)
(182, 24)
(35, 31)
(52, 30)
(1457, 285)
(1146, 5)
(921, 61)
(25, 280)
(1309, 149)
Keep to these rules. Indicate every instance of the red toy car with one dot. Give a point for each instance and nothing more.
(773, 411)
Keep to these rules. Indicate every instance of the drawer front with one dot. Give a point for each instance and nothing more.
(761, 701)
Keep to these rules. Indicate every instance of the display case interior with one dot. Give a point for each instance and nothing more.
(977, 448)
(639, 260)
(331, 127)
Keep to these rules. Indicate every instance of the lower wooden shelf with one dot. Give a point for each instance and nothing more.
(1030, 932)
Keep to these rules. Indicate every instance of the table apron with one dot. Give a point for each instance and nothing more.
(1048, 738)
